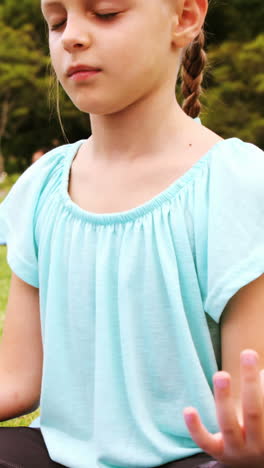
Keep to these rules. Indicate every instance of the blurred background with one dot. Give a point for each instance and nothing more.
(234, 85)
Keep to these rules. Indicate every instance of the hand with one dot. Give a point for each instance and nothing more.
(239, 444)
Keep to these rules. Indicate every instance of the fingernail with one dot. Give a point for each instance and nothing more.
(249, 359)
(189, 418)
(189, 415)
(221, 382)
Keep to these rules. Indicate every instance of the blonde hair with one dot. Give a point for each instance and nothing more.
(54, 97)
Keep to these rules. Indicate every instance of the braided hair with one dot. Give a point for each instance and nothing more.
(192, 73)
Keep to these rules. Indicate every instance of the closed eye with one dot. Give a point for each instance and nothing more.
(105, 16)
(57, 26)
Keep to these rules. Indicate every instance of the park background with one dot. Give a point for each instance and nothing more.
(233, 101)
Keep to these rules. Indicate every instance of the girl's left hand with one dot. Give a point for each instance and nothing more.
(239, 444)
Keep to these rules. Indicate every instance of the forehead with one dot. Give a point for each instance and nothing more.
(51, 5)
(46, 4)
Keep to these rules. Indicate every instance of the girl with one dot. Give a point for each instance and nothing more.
(127, 249)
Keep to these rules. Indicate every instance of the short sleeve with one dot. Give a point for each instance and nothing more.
(18, 218)
(235, 244)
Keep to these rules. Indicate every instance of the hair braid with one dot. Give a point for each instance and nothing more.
(192, 73)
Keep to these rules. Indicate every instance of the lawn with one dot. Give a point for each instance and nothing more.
(5, 276)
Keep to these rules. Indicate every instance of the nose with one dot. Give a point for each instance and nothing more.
(75, 35)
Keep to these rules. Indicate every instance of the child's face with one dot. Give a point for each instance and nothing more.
(132, 49)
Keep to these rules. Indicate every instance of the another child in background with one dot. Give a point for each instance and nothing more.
(137, 259)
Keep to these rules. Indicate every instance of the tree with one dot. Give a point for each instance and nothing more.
(235, 85)
(238, 20)
(25, 107)
(235, 95)
(22, 76)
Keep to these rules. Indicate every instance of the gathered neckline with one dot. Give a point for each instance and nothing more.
(134, 213)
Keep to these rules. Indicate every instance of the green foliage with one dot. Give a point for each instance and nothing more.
(27, 115)
(235, 96)
(17, 14)
(9, 181)
(28, 120)
(23, 82)
(21, 64)
(237, 20)
(5, 276)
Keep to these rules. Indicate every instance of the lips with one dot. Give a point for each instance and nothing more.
(80, 68)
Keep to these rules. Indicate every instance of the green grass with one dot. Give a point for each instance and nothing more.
(5, 276)
(7, 184)
(9, 181)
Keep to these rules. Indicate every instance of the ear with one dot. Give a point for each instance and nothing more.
(188, 20)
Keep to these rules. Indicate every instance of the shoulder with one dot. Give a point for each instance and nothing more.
(229, 153)
(48, 162)
(238, 162)
(48, 168)
(233, 150)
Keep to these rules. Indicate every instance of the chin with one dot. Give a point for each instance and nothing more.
(100, 108)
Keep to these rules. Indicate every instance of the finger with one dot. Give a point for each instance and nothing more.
(252, 398)
(209, 443)
(262, 381)
(226, 412)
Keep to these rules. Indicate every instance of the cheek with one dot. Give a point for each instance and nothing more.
(130, 52)
(55, 56)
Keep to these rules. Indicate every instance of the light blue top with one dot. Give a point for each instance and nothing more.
(126, 300)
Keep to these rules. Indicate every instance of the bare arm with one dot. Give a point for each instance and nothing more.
(242, 328)
(238, 389)
(21, 355)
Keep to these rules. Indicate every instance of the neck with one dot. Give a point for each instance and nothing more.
(146, 127)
